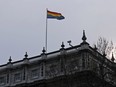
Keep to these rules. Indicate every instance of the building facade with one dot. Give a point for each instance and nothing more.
(76, 66)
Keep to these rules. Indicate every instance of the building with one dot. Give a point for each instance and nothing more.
(76, 66)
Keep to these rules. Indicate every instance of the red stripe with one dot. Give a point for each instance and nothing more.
(54, 12)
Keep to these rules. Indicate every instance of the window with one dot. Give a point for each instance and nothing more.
(35, 73)
(2, 80)
(17, 77)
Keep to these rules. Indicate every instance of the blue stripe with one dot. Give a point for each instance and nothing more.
(55, 17)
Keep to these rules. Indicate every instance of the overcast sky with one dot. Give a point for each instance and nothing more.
(23, 24)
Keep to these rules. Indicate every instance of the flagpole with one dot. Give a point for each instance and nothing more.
(46, 31)
(52, 15)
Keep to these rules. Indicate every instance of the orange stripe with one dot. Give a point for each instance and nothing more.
(54, 13)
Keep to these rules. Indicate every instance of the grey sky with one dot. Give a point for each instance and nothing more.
(22, 24)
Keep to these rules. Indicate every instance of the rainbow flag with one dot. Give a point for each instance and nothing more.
(54, 15)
